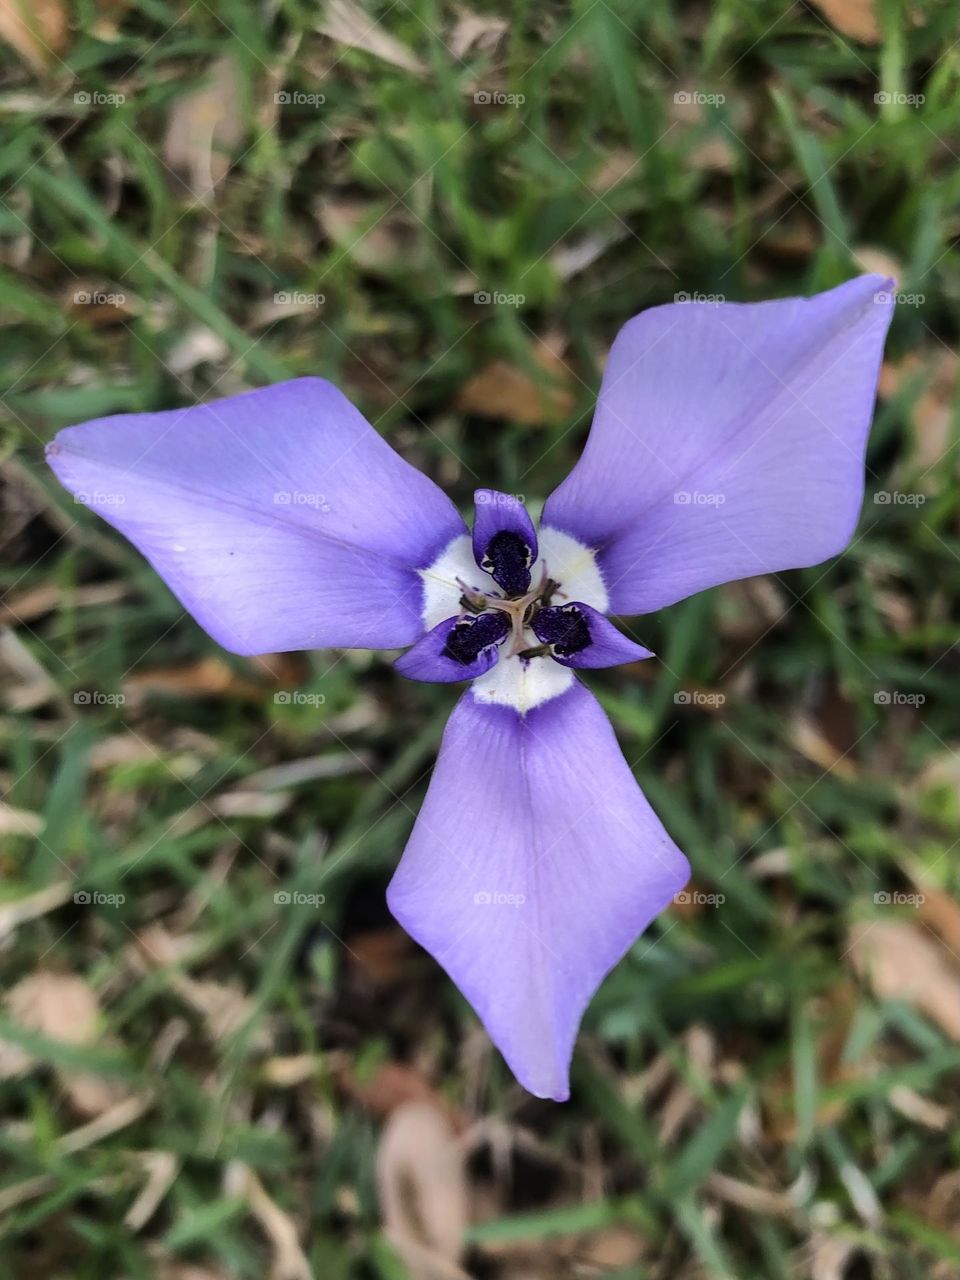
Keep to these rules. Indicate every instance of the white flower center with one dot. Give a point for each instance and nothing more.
(513, 681)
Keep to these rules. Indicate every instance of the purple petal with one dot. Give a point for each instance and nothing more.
(533, 866)
(728, 440)
(582, 637)
(460, 648)
(504, 540)
(278, 518)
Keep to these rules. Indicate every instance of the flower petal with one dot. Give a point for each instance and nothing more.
(504, 540)
(533, 866)
(582, 637)
(459, 648)
(728, 440)
(279, 518)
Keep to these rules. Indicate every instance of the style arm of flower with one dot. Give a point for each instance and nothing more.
(728, 440)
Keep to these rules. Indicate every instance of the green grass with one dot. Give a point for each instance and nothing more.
(767, 193)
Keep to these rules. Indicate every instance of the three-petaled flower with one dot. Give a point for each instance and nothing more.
(281, 520)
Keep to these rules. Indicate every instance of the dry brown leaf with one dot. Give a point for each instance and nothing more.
(854, 18)
(941, 912)
(392, 1085)
(209, 678)
(903, 961)
(422, 1187)
(161, 1168)
(501, 390)
(348, 24)
(374, 243)
(204, 128)
(378, 956)
(19, 822)
(61, 1006)
(36, 904)
(34, 603)
(25, 683)
(476, 31)
(289, 1261)
(931, 412)
(807, 738)
(873, 260)
(226, 1008)
(36, 29)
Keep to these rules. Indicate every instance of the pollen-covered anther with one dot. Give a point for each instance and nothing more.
(562, 628)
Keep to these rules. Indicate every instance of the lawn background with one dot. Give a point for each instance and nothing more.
(196, 199)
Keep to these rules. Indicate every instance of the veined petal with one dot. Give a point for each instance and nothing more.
(279, 518)
(728, 440)
(459, 648)
(581, 637)
(533, 866)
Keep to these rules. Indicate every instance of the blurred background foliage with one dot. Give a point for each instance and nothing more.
(219, 1056)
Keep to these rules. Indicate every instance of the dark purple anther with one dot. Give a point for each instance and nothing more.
(504, 540)
(470, 636)
(563, 626)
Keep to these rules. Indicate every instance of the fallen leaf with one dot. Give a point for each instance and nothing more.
(36, 29)
(204, 128)
(348, 24)
(378, 955)
(930, 411)
(60, 1006)
(19, 822)
(476, 31)
(392, 1085)
(161, 1168)
(854, 18)
(903, 961)
(289, 1262)
(25, 681)
(422, 1188)
(374, 241)
(942, 913)
(873, 260)
(209, 678)
(807, 738)
(501, 390)
(33, 905)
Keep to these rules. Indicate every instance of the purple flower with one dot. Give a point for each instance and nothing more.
(728, 440)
